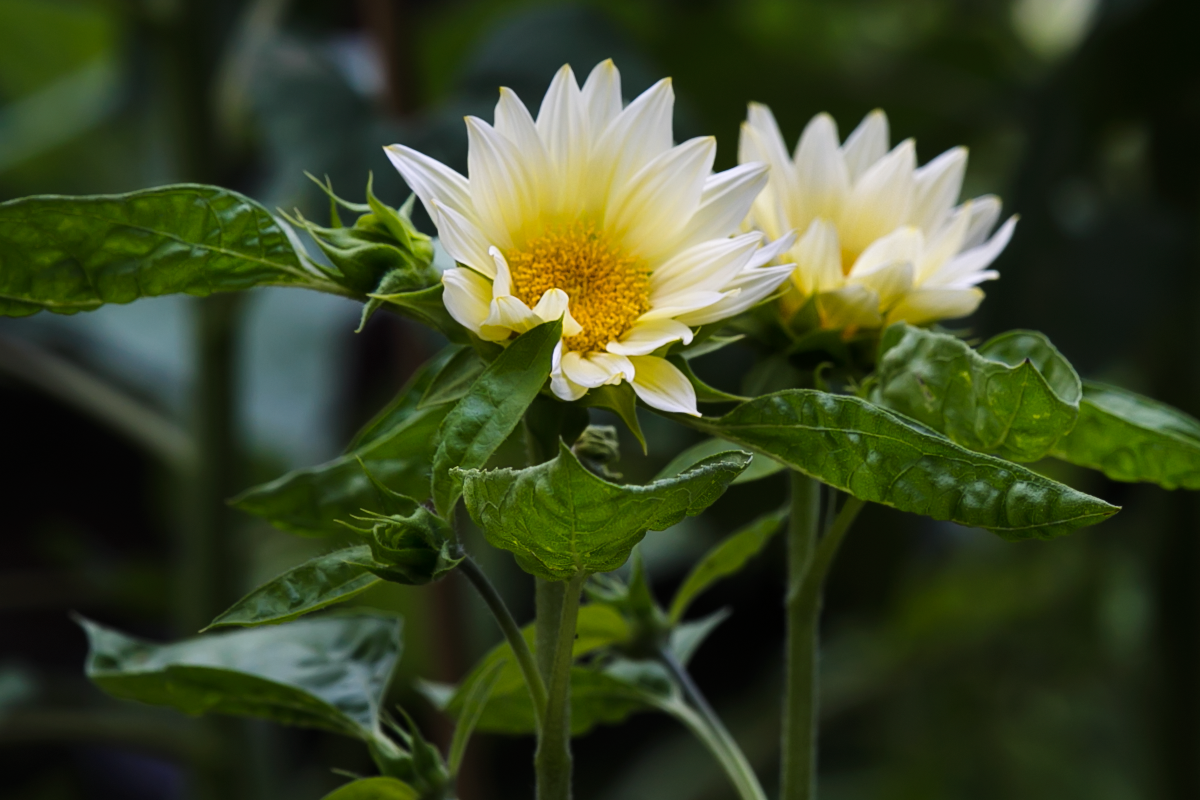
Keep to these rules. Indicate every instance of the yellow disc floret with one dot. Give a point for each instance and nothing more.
(608, 289)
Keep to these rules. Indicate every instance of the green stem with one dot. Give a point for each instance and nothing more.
(553, 759)
(712, 732)
(548, 605)
(809, 558)
(512, 634)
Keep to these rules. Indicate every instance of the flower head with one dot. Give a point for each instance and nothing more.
(883, 240)
(590, 214)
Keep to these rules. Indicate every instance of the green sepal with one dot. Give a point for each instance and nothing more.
(328, 672)
(881, 457)
(1014, 397)
(423, 305)
(1132, 438)
(704, 392)
(560, 520)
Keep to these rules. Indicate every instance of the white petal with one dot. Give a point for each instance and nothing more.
(705, 267)
(822, 180)
(890, 282)
(515, 123)
(972, 262)
(901, 245)
(555, 304)
(767, 212)
(850, 306)
(640, 133)
(501, 185)
(502, 280)
(881, 199)
(565, 388)
(467, 297)
(508, 315)
(431, 179)
(562, 124)
(679, 304)
(945, 243)
(937, 186)
(772, 251)
(596, 369)
(866, 144)
(602, 96)
(724, 202)
(652, 209)
(660, 384)
(819, 259)
(748, 289)
(768, 142)
(929, 305)
(462, 239)
(985, 213)
(647, 336)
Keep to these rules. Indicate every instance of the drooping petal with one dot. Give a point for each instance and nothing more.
(462, 239)
(821, 178)
(748, 289)
(936, 189)
(660, 384)
(985, 213)
(554, 304)
(849, 307)
(705, 267)
(501, 186)
(866, 144)
(928, 305)
(467, 297)
(647, 336)
(724, 202)
(881, 200)
(563, 387)
(596, 369)
(431, 179)
(818, 257)
(602, 97)
(502, 281)
(653, 208)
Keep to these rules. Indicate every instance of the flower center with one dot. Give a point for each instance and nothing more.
(608, 288)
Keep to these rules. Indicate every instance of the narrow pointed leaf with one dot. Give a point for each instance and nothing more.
(686, 637)
(881, 457)
(1015, 397)
(560, 520)
(317, 583)
(1132, 438)
(454, 380)
(486, 415)
(760, 465)
(725, 559)
(704, 392)
(329, 673)
(69, 254)
(473, 706)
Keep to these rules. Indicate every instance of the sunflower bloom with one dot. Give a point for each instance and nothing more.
(883, 240)
(591, 215)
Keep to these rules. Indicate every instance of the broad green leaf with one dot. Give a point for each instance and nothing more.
(725, 559)
(760, 466)
(406, 402)
(396, 447)
(318, 583)
(328, 672)
(374, 789)
(560, 520)
(1015, 397)
(881, 457)
(1132, 438)
(481, 421)
(69, 254)
(453, 381)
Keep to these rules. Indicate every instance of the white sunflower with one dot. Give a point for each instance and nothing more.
(591, 214)
(883, 239)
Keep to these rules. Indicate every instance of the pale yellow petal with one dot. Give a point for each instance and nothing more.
(462, 239)
(866, 144)
(821, 178)
(704, 267)
(724, 202)
(936, 190)
(660, 384)
(602, 97)
(467, 297)
(647, 336)
(554, 304)
(881, 199)
(501, 186)
(922, 306)
(746, 290)
(818, 257)
(890, 282)
(563, 126)
(432, 180)
(850, 306)
(596, 369)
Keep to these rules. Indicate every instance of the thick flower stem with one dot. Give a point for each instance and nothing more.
(553, 759)
(713, 733)
(512, 634)
(809, 558)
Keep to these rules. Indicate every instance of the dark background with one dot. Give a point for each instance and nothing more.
(956, 665)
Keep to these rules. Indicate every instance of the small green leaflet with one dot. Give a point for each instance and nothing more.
(491, 410)
(69, 254)
(329, 672)
(374, 789)
(1133, 438)
(317, 583)
(1014, 397)
(560, 520)
(881, 457)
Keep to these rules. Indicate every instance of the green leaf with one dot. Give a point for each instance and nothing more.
(881, 457)
(318, 583)
(704, 392)
(69, 254)
(686, 637)
(374, 789)
(560, 520)
(423, 305)
(725, 559)
(327, 672)
(1132, 438)
(397, 448)
(491, 410)
(473, 705)
(760, 466)
(453, 381)
(1015, 397)
(622, 401)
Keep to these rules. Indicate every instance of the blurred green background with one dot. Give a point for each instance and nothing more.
(956, 666)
